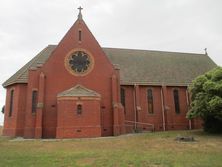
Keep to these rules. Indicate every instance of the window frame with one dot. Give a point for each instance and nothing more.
(150, 101)
(80, 35)
(11, 102)
(123, 96)
(79, 109)
(176, 102)
(34, 100)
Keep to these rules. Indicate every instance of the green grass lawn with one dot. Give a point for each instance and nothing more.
(146, 150)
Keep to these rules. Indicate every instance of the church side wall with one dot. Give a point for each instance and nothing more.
(14, 124)
(177, 121)
(30, 117)
(21, 110)
(129, 108)
(145, 116)
(139, 104)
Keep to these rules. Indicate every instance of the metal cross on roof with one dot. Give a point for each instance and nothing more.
(80, 8)
(80, 14)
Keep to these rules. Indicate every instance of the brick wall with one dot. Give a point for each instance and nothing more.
(70, 124)
(173, 120)
(14, 124)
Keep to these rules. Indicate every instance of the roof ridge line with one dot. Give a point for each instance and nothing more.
(154, 50)
(134, 49)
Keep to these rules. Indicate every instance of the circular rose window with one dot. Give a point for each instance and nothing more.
(79, 62)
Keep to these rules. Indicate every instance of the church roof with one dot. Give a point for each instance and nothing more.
(21, 76)
(78, 91)
(158, 67)
(138, 66)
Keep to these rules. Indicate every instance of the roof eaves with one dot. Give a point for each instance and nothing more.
(15, 77)
(155, 83)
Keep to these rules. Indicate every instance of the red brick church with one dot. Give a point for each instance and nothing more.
(80, 89)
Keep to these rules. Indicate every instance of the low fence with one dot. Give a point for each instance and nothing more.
(138, 127)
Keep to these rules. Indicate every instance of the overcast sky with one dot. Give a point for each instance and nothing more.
(27, 26)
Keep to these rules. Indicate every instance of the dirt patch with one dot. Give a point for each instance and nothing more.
(1, 130)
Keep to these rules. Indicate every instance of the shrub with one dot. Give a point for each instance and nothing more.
(206, 96)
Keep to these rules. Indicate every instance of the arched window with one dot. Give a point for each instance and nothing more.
(80, 35)
(122, 96)
(34, 100)
(79, 109)
(11, 103)
(150, 101)
(176, 100)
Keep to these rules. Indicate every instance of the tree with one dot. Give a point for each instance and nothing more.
(206, 97)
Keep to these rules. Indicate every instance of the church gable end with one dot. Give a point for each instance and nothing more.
(77, 59)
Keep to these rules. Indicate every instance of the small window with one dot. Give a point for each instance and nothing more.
(80, 35)
(34, 101)
(11, 103)
(122, 96)
(150, 101)
(79, 109)
(176, 101)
